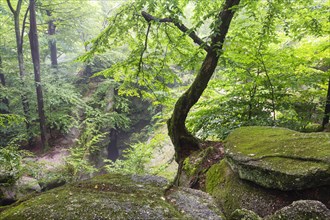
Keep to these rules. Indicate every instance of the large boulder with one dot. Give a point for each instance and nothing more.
(116, 196)
(231, 193)
(302, 210)
(280, 158)
(298, 210)
(24, 186)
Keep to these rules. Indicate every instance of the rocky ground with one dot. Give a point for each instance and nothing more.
(257, 173)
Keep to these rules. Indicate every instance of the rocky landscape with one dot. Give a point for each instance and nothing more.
(259, 173)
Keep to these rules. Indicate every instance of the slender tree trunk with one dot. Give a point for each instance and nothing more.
(4, 100)
(52, 41)
(183, 141)
(327, 108)
(20, 59)
(113, 152)
(34, 43)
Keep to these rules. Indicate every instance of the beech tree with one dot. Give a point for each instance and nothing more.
(183, 141)
(34, 44)
(52, 41)
(163, 42)
(19, 33)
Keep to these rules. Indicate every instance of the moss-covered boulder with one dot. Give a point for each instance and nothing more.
(112, 196)
(232, 193)
(302, 210)
(279, 158)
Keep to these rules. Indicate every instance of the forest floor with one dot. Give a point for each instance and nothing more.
(54, 157)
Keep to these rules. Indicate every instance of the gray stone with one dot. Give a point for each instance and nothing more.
(302, 210)
(194, 203)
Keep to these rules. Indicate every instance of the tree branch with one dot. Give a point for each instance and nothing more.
(182, 27)
(11, 7)
(23, 25)
(144, 49)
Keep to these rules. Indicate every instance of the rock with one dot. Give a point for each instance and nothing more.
(149, 179)
(279, 158)
(112, 196)
(302, 210)
(194, 203)
(6, 178)
(162, 159)
(244, 214)
(231, 193)
(23, 186)
(28, 184)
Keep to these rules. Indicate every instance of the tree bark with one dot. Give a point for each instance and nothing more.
(184, 142)
(4, 100)
(113, 152)
(34, 43)
(52, 42)
(327, 108)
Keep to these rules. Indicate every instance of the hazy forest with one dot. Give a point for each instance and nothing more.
(167, 109)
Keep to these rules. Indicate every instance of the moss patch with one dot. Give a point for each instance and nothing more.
(231, 193)
(104, 197)
(280, 158)
(197, 164)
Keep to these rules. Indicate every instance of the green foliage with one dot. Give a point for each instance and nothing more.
(267, 76)
(274, 70)
(10, 154)
(7, 120)
(135, 158)
(11, 163)
(78, 163)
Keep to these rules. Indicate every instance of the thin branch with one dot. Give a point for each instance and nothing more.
(270, 84)
(11, 7)
(182, 27)
(24, 24)
(144, 49)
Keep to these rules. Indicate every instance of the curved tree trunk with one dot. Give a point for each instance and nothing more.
(183, 141)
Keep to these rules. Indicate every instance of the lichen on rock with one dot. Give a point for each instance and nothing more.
(244, 214)
(302, 210)
(194, 203)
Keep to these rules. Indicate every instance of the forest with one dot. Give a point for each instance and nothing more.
(168, 109)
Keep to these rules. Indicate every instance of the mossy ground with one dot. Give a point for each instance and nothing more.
(280, 158)
(104, 197)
